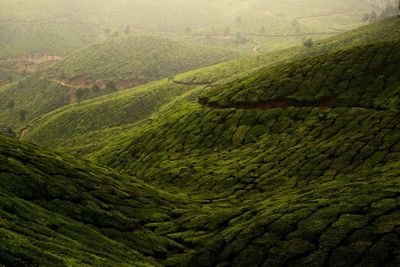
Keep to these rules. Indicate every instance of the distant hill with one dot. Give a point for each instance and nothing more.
(98, 70)
(30, 27)
(134, 60)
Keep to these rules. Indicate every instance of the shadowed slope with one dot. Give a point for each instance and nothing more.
(58, 210)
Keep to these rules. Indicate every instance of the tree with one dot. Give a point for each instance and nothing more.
(308, 42)
(111, 86)
(127, 30)
(22, 115)
(238, 20)
(262, 30)
(188, 30)
(227, 30)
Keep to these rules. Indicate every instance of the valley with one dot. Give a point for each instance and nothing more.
(180, 142)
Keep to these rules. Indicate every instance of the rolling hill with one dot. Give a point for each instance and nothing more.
(303, 184)
(56, 210)
(289, 158)
(57, 28)
(82, 123)
(310, 147)
(98, 70)
(134, 60)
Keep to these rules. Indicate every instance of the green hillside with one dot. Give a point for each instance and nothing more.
(134, 60)
(292, 186)
(56, 210)
(81, 122)
(28, 99)
(98, 70)
(316, 166)
(288, 158)
(59, 27)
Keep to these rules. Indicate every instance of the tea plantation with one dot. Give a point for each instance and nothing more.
(285, 159)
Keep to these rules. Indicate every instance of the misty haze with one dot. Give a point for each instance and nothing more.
(200, 133)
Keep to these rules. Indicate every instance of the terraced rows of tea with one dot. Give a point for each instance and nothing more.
(285, 160)
(358, 77)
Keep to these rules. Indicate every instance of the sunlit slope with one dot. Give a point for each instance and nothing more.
(386, 30)
(99, 70)
(58, 127)
(320, 180)
(136, 59)
(29, 98)
(363, 76)
(57, 210)
(104, 112)
(313, 181)
(362, 81)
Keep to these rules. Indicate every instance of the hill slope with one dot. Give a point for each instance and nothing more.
(289, 186)
(294, 164)
(98, 70)
(135, 60)
(59, 211)
(57, 128)
(54, 27)
(317, 175)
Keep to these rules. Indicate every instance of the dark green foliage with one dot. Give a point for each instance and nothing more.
(7, 131)
(308, 42)
(358, 77)
(22, 115)
(296, 164)
(59, 210)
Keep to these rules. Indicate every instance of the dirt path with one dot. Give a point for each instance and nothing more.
(23, 132)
